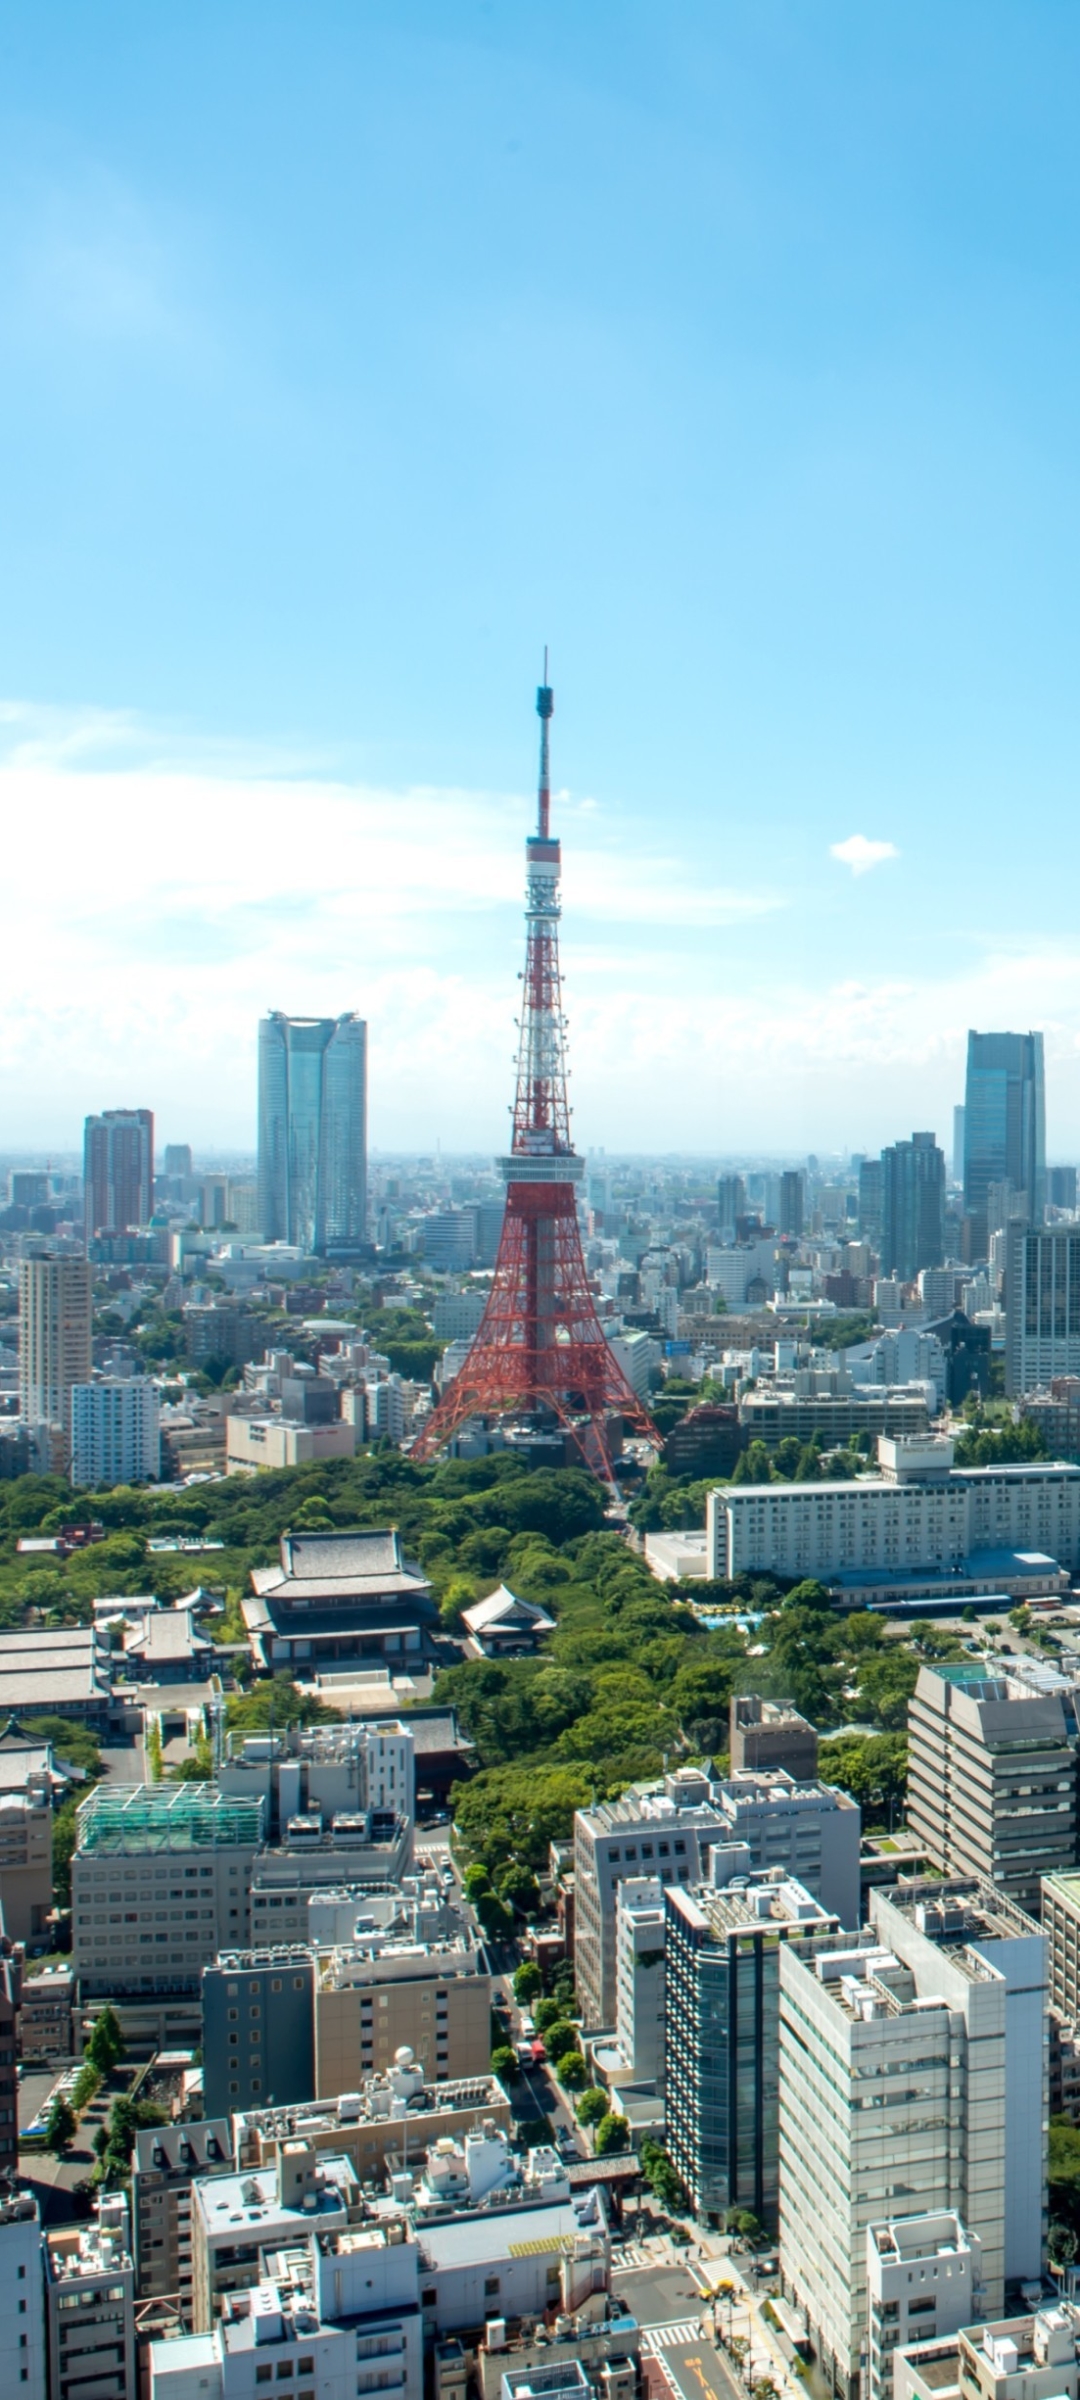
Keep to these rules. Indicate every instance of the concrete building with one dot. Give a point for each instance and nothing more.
(456, 1315)
(722, 2034)
(313, 1132)
(22, 2294)
(258, 2029)
(55, 1343)
(1061, 1925)
(311, 1863)
(302, 2193)
(809, 1829)
(1042, 1305)
(9, 2088)
(382, 2125)
(275, 1442)
(379, 1993)
(166, 2162)
(160, 1882)
(90, 2304)
(30, 1780)
(329, 1771)
(992, 1776)
(115, 1432)
(772, 1416)
(334, 2314)
(913, 1207)
(640, 1941)
(118, 1170)
(924, 2281)
(766, 1735)
(1011, 2358)
(920, 1512)
(913, 2062)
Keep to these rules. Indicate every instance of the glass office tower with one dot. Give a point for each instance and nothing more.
(1004, 1127)
(313, 1131)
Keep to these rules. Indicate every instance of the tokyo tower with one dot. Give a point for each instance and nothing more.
(540, 1350)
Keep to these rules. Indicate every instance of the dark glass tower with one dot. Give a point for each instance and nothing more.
(1004, 1126)
(913, 1206)
(313, 1131)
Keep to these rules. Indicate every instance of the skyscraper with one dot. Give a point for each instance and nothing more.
(313, 1131)
(731, 1201)
(1004, 1125)
(791, 1201)
(913, 1207)
(118, 1170)
(958, 1145)
(54, 1337)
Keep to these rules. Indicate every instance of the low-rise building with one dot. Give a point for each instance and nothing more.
(923, 2280)
(341, 1598)
(333, 2313)
(30, 1781)
(385, 2122)
(1034, 2357)
(769, 1734)
(236, 2217)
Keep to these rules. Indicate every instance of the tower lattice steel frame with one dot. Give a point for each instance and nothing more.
(540, 1349)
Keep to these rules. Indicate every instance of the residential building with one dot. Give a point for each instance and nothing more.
(166, 2161)
(1042, 1305)
(90, 2303)
(918, 1514)
(770, 1734)
(381, 2124)
(730, 1202)
(992, 1776)
(640, 1940)
(671, 1831)
(160, 1882)
(872, 1202)
(351, 1595)
(913, 2062)
(55, 1340)
(924, 2281)
(118, 1170)
(722, 2034)
(313, 1132)
(258, 2029)
(220, 1332)
(913, 1207)
(22, 2294)
(958, 1138)
(301, 2193)
(335, 2312)
(46, 2002)
(1004, 1126)
(115, 1432)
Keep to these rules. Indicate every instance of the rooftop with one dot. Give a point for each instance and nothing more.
(138, 1817)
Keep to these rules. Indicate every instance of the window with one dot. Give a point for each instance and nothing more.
(491, 2286)
(263, 2374)
(284, 2373)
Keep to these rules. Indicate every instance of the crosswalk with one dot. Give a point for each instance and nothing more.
(632, 2254)
(671, 2337)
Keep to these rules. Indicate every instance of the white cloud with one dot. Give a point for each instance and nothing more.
(860, 854)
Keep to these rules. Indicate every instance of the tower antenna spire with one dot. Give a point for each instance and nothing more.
(541, 1352)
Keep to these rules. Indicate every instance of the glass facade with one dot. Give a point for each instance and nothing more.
(913, 1207)
(313, 1131)
(1004, 1121)
(722, 2004)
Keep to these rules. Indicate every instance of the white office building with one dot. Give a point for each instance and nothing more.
(918, 1513)
(912, 2080)
(115, 1432)
(639, 1978)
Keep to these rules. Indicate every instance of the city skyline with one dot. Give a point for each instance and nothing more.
(795, 508)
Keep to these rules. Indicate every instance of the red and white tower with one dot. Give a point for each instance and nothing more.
(541, 1350)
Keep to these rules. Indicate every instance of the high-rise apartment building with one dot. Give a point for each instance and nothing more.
(730, 1201)
(118, 1170)
(178, 1159)
(1061, 1188)
(115, 1432)
(313, 1131)
(913, 1207)
(871, 1202)
(992, 1777)
(1042, 1306)
(791, 1202)
(959, 1118)
(55, 1317)
(1004, 1125)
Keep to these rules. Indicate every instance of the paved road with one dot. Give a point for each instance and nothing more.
(676, 2329)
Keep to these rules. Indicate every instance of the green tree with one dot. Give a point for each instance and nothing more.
(612, 2133)
(60, 2128)
(661, 2176)
(560, 2038)
(547, 2013)
(528, 1982)
(573, 2072)
(105, 2048)
(475, 1882)
(592, 2105)
(504, 2063)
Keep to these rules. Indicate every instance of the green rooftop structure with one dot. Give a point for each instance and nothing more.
(131, 1818)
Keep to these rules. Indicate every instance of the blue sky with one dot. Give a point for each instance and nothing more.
(350, 352)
